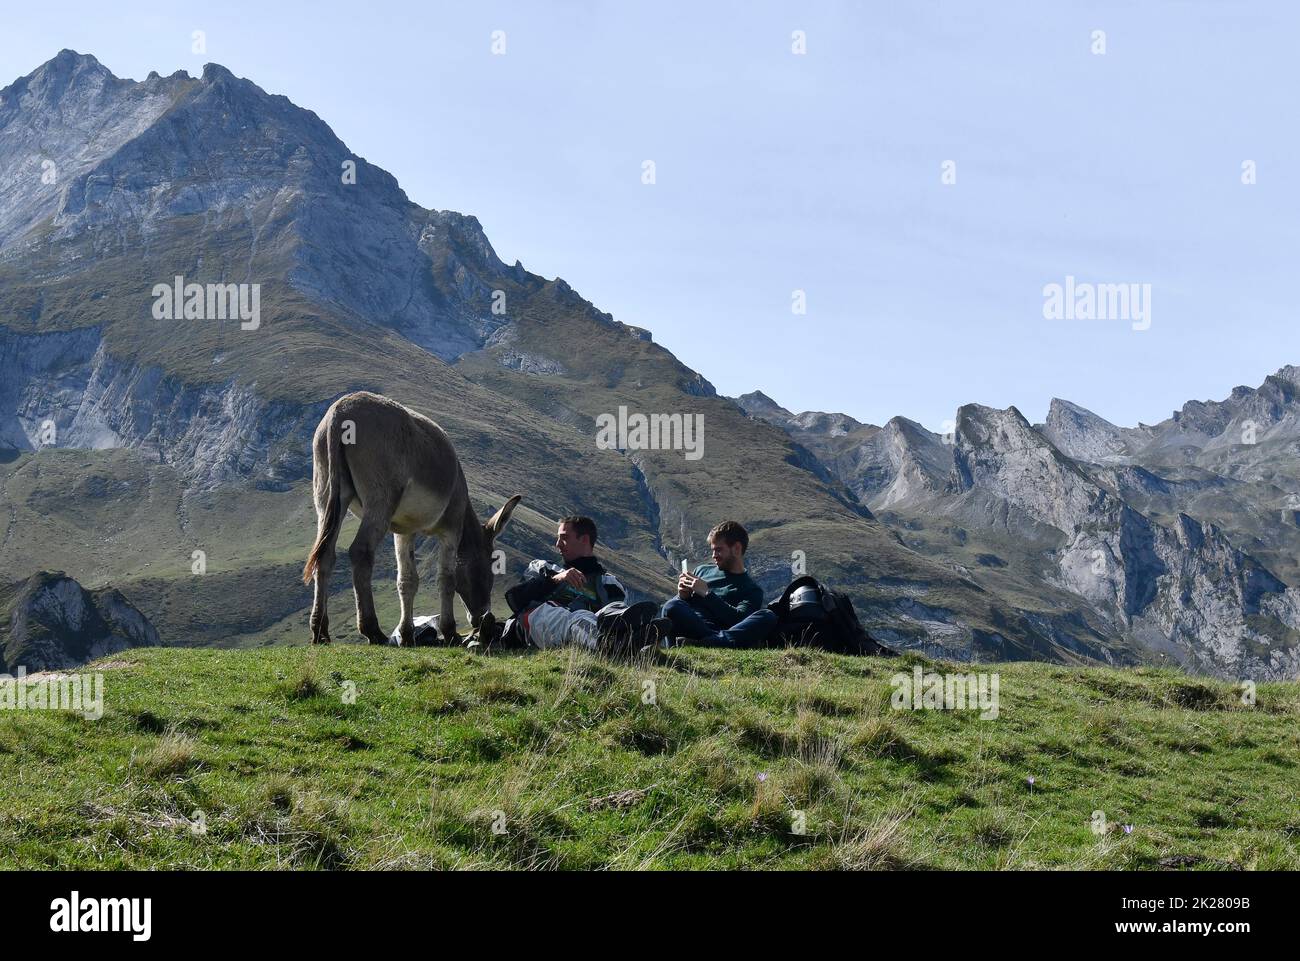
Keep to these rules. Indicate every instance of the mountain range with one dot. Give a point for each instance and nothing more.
(169, 460)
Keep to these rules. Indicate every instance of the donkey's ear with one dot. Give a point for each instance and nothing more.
(497, 522)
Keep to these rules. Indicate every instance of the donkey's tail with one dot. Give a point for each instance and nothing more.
(327, 475)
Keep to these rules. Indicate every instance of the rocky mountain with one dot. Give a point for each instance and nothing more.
(1234, 463)
(1250, 419)
(1178, 538)
(1081, 434)
(186, 439)
(49, 622)
(165, 451)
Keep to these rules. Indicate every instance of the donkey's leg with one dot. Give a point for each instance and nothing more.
(408, 582)
(320, 615)
(362, 556)
(447, 549)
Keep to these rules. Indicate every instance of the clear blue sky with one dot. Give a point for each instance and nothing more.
(821, 172)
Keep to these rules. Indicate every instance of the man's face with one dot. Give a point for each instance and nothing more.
(726, 556)
(570, 544)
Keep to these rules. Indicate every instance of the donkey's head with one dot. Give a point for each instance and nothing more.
(474, 563)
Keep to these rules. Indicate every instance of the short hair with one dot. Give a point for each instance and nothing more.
(582, 526)
(732, 533)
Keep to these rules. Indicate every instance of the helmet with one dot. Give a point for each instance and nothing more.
(804, 596)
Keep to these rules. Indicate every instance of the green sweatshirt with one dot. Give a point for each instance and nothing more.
(731, 597)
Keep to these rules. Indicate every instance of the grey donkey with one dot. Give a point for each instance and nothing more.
(396, 470)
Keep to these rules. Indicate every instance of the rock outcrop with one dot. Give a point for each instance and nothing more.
(1155, 555)
(50, 622)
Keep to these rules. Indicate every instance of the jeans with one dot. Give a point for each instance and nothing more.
(691, 625)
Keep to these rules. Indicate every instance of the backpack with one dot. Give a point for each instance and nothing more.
(818, 617)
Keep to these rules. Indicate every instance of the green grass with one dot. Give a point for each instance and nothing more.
(255, 759)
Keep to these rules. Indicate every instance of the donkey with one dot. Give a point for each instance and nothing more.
(396, 470)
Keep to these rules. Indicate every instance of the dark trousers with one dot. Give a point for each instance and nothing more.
(690, 624)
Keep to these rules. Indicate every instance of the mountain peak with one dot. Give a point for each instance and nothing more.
(67, 59)
(215, 72)
(64, 70)
(1081, 434)
(1290, 373)
(55, 623)
(1061, 406)
(758, 404)
(979, 415)
(67, 65)
(835, 425)
(899, 424)
(1061, 412)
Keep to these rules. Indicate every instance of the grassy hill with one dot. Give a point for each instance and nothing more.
(564, 756)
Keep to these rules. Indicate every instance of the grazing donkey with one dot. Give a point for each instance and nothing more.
(396, 470)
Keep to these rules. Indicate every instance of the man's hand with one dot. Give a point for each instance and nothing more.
(689, 584)
(573, 577)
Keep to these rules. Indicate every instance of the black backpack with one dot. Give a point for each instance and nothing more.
(830, 624)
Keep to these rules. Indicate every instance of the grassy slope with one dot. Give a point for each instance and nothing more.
(288, 775)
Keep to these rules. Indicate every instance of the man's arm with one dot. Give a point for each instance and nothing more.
(536, 587)
(726, 615)
(721, 613)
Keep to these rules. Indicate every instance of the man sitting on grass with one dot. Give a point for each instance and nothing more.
(719, 605)
(578, 601)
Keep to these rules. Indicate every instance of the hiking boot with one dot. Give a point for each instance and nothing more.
(661, 633)
(656, 640)
(620, 632)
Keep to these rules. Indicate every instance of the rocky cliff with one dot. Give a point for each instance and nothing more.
(1151, 528)
(50, 622)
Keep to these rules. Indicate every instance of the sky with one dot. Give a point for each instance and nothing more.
(822, 172)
